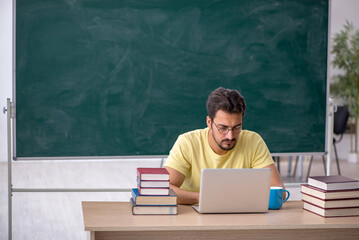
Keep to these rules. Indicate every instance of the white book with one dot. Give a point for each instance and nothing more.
(153, 184)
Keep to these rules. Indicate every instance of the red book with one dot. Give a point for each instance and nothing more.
(153, 174)
(333, 194)
(331, 212)
(337, 182)
(331, 203)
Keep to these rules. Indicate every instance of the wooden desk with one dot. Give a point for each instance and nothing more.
(114, 220)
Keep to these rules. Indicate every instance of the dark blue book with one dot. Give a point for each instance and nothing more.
(154, 200)
(153, 210)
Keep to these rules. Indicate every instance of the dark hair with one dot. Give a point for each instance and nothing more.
(227, 100)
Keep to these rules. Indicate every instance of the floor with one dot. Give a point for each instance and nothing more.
(58, 215)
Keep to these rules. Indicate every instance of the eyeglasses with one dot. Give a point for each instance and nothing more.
(225, 130)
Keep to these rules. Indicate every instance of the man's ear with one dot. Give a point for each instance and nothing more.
(209, 122)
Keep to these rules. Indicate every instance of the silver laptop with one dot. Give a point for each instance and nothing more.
(234, 190)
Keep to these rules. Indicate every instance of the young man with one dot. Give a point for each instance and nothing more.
(223, 144)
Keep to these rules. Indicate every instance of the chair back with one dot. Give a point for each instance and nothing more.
(341, 119)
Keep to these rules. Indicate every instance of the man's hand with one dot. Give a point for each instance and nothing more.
(176, 180)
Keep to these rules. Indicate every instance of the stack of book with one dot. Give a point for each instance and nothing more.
(331, 196)
(153, 194)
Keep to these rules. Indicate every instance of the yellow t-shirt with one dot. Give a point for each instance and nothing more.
(192, 152)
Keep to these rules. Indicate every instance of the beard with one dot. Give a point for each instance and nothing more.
(225, 144)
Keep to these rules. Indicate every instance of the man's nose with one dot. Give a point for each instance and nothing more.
(229, 134)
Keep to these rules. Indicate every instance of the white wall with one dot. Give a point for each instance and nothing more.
(344, 10)
(340, 11)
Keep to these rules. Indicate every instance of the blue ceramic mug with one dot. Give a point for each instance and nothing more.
(276, 197)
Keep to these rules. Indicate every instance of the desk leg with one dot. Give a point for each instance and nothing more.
(91, 235)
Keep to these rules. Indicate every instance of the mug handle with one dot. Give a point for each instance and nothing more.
(288, 194)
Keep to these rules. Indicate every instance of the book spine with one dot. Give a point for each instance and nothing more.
(139, 174)
(134, 196)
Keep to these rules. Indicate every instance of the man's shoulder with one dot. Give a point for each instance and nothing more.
(248, 134)
(194, 135)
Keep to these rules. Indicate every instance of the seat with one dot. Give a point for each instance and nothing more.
(341, 116)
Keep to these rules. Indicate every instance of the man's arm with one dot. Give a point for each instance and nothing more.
(183, 197)
(276, 180)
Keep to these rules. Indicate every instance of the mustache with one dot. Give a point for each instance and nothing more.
(227, 139)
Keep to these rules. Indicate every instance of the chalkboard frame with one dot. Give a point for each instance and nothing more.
(149, 155)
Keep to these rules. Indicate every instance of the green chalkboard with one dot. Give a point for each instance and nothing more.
(119, 78)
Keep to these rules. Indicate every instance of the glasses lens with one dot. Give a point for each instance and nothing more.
(237, 129)
(222, 130)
